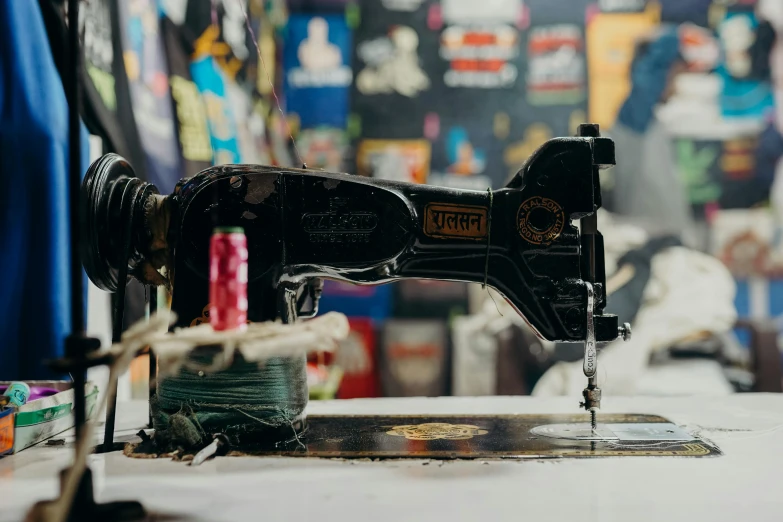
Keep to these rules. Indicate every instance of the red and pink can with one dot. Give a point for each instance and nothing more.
(228, 279)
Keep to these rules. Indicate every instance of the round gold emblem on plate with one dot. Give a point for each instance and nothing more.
(436, 430)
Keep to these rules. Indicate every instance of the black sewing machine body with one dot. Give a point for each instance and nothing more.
(305, 225)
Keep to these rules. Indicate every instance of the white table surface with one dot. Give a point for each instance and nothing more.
(745, 484)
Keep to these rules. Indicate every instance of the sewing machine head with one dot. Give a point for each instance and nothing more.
(304, 225)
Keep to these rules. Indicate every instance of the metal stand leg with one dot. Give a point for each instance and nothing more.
(111, 400)
(153, 377)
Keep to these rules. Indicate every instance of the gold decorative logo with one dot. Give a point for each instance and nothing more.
(540, 220)
(339, 224)
(437, 430)
(455, 221)
(695, 450)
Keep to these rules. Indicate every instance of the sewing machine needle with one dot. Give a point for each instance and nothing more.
(591, 394)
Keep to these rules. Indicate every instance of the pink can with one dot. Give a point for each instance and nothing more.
(228, 278)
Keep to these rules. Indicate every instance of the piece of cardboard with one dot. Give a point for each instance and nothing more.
(6, 430)
(44, 418)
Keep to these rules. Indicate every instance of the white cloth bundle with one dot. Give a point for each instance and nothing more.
(688, 293)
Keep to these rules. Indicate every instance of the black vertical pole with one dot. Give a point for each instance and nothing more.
(589, 224)
(116, 337)
(74, 348)
(153, 361)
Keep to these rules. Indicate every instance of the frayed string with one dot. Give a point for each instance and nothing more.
(489, 245)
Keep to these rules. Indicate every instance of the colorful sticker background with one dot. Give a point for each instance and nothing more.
(317, 69)
(146, 67)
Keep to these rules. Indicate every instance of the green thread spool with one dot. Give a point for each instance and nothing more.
(257, 403)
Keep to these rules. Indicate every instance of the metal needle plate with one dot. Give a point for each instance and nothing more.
(575, 431)
(658, 431)
(664, 432)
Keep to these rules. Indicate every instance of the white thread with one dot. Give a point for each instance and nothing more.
(749, 434)
(650, 445)
(271, 85)
(257, 343)
(263, 340)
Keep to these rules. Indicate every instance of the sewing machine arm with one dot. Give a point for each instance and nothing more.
(304, 225)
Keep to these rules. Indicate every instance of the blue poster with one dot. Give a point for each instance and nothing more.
(145, 64)
(743, 96)
(222, 122)
(317, 69)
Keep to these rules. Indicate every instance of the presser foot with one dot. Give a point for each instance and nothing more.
(592, 402)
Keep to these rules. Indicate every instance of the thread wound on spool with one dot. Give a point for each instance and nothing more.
(245, 396)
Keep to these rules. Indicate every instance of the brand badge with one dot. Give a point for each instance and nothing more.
(540, 220)
(455, 221)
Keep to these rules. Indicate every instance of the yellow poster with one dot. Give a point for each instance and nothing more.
(395, 160)
(611, 39)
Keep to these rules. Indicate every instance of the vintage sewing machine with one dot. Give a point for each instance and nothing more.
(303, 226)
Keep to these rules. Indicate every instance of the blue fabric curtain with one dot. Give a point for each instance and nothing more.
(34, 233)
